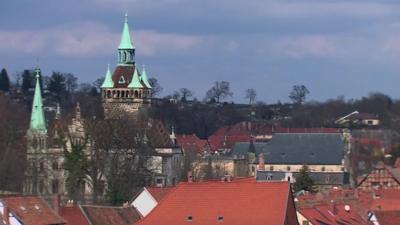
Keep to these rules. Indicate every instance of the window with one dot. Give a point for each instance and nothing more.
(41, 166)
(54, 186)
(323, 168)
(269, 177)
(271, 168)
(288, 168)
(121, 80)
(190, 218)
(55, 165)
(220, 218)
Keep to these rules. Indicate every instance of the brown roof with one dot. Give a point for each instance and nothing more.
(32, 210)
(74, 215)
(159, 193)
(126, 71)
(387, 217)
(104, 215)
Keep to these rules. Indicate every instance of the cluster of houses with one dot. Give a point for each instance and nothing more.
(242, 174)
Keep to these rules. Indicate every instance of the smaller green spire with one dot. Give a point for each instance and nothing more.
(144, 78)
(126, 42)
(135, 83)
(38, 122)
(108, 82)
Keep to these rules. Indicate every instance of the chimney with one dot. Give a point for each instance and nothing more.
(261, 163)
(190, 177)
(6, 215)
(57, 204)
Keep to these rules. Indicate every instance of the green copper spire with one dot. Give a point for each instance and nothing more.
(108, 82)
(144, 77)
(135, 83)
(126, 42)
(38, 122)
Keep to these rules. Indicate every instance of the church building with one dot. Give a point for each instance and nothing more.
(127, 90)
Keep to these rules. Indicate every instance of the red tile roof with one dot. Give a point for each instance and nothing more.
(191, 143)
(126, 71)
(104, 215)
(237, 202)
(325, 214)
(32, 210)
(74, 215)
(159, 193)
(388, 217)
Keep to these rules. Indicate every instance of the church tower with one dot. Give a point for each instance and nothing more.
(43, 174)
(126, 90)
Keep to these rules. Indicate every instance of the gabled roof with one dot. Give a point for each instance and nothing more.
(324, 214)
(125, 71)
(305, 148)
(32, 210)
(215, 202)
(74, 215)
(159, 193)
(190, 142)
(104, 215)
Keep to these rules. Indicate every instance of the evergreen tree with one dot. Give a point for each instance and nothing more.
(303, 180)
(4, 81)
(28, 80)
(57, 86)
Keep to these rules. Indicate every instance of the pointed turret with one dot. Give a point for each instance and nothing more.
(38, 122)
(126, 42)
(126, 49)
(108, 82)
(144, 77)
(135, 83)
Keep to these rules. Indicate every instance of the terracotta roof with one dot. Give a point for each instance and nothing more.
(325, 214)
(159, 193)
(104, 215)
(74, 215)
(32, 210)
(388, 217)
(212, 202)
(191, 143)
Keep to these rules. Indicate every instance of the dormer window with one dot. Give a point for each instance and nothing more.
(220, 218)
(121, 80)
(189, 218)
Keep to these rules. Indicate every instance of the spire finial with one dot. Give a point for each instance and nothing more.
(37, 72)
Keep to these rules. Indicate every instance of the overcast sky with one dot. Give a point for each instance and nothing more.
(334, 47)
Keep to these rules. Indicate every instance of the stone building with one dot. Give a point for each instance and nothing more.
(44, 173)
(126, 90)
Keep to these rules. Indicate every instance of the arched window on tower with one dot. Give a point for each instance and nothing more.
(124, 56)
(136, 94)
(118, 94)
(108, 94)
(122, 94)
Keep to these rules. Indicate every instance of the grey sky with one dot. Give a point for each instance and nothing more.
(334, 47)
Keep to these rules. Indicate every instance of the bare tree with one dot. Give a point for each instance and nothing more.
(156, 88)
(251, 95)
(185, 94)
(219, 91)
(13, 128)
(298, 94)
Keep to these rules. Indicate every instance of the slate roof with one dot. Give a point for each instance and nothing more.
(305, 148)
(319, 178)
(215, 202)
(104, 215)
(32, 210)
